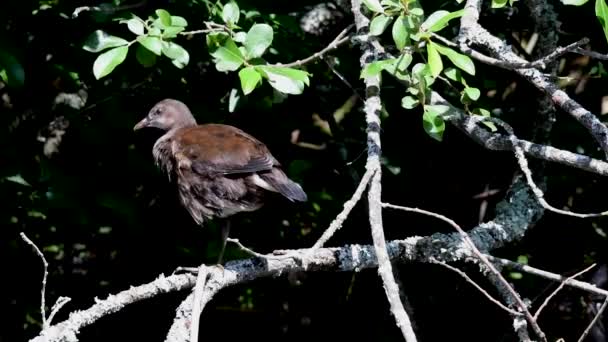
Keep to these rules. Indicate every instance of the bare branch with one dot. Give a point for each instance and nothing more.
(549, 275)
(472, 32)
(336, 43)
(484, 292)
(523, 164)
(592, 54)
(45, 324)
(561, 286)
(597, 316)
(348, 207)
(465, 237)
(499, 142)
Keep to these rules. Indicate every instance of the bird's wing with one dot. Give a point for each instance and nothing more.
(215, 148)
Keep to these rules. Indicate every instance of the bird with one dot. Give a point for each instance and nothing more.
(219, 169)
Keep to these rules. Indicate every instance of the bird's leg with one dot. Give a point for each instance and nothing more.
(225, 231)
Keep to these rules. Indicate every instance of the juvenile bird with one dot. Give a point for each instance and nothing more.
(219, 170)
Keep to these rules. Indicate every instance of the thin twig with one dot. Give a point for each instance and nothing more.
(469, 280)
(540, 63)
(563, 283)
(593, 54)
(347, 208)
(336, 43)
(45, 324)
(520, 303)
(61, 301)
(523, 164)
(597, 316)
(548, 275)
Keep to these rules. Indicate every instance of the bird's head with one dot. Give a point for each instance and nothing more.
(167, 115)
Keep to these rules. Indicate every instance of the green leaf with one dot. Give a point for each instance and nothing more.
(258, 40)
(250, 78)
(18, 179)
(433, 123)
(179, 56)
(172, 31)
(107, 61)
(230, 13)
(144, 56)
(11, 70)
(240, 37)
(285, 80)
(177, 21)
(99, 41)
(601, 12)
(454, 74)
(434, 59)
(472, 93)
(136, 26)
(409, 102)
(417, 11)
(153, 44)
(226, 54)
(164, 16)
(499, 3)
(439, 20)
(373, 69)
(374, 6)
(574, 2)
(486, 113)
(462, 61)
(379, 24)
(400, 33)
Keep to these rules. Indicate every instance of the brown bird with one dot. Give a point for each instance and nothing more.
(219, 169)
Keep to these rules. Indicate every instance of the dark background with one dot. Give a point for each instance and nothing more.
(107, 219)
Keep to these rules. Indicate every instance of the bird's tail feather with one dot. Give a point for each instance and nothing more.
(285, 186)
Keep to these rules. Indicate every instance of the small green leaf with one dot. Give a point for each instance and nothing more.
(11, 70)
(417, 11)
(409, 102)
(179, 56)
(435, 63)
(433, 123)
(99, 41)
(601, 12)
(172, 31)
(226, 54)
(400, 33)
(499, 3)
(285, 80)
(439, 20)
(374, 6)
(177, 21)
(486, 113)
(250, 78)
(373, 69)
(153, 44)
(462, 61)
(240, 37)
(472, 93)
(454, 74)
(258, 40)
(18, 179)
(379, 24)
(144, 56)
(574, 2)
(230, 13)
(107, 61)
(164, 16)
(136, 26)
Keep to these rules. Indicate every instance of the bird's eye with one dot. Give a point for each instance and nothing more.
(156, 112)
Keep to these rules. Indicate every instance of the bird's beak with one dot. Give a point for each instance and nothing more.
(143, 123)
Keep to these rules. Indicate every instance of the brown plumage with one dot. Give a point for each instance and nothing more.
(219, 169)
